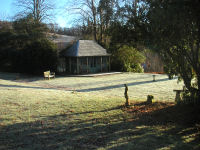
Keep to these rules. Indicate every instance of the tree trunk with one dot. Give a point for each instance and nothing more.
(94, 21)
(198, 85)
(101, 26)
(37, 10)
(34, 9)
(136, 5)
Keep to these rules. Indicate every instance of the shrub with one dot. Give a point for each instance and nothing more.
(37, 57)
(129, 59)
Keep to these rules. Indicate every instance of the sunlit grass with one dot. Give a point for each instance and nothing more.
(34, 117)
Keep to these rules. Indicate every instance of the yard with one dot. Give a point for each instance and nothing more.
(88, 113)
(112, 86)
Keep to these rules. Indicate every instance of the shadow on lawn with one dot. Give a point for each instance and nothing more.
(18, 77)
(38, 87)
(138, 132)
(121, 85)
(110, 81)
(88, 112)
(49, 87)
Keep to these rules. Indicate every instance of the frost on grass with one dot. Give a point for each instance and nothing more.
(140, 85)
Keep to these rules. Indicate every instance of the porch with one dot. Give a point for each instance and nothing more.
(85, 65)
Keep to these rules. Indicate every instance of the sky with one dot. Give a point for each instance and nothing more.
(5, 9)
(8, 10)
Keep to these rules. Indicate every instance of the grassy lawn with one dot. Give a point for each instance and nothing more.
(38, 114)
(140, 85)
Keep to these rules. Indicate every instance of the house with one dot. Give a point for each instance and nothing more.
(83, 57)
(62, 41)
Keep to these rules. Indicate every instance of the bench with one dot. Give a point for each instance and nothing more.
(48, 74)
(178, 97)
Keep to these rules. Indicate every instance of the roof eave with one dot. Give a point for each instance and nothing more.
(90, 56)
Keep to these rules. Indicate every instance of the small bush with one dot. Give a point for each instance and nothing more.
(128, 59)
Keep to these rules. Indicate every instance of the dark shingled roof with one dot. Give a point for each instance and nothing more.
(86, 48)
(62, 41)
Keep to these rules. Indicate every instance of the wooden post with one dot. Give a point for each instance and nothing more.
(87, 65)
(154, 78)
(70, 65)
(109, 64)
(101, 65)
(77, 66)
(126, 95)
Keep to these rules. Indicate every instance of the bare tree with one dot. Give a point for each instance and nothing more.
(40, 9)
(4, 16)
(87, 9)
(106, 13)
